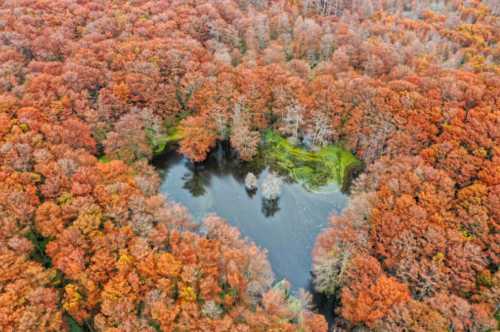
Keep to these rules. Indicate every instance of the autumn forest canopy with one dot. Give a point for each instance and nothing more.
(92, 90)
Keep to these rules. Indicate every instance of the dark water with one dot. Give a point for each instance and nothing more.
(287, 228)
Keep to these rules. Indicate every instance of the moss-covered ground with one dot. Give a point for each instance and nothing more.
(160, 142)
(314, 169)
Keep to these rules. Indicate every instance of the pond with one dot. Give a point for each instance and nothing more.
(286, 228)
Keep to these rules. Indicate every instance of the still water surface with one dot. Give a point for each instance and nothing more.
(286, 229)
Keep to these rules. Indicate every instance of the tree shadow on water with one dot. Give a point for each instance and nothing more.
(270, 207)
(251, 192)
(196, 183)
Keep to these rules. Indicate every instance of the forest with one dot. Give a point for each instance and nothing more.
(92, 90)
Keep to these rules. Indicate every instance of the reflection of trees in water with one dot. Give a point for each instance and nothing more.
(251, 192)
(270, 207)
(224, 161)
(196, 182)
(220, 162)
(166, 161)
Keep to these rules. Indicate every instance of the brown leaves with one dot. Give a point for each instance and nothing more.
(168, 266)
(92, 75)
(371, 294)
(198, 139)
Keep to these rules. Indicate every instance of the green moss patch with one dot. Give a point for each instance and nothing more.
(314, 169)
(160, 142)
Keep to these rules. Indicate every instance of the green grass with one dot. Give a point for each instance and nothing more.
(314, 169)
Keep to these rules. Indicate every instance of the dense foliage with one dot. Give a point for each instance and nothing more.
(90, 90)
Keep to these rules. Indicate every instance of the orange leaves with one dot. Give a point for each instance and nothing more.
(146, 264)
(245, 141)
(89, 221)
(187, 294)
(234, 278)
(99, 73)
(77, 134)
(48, 219)
(112, 171)
(472, 195)
(119, 300)
(122, 91)
(18, 194)
(199, 137)
(168, 266)
(73, 301)
(275, 303)
(371, 294)
(116, 289)
(70, 262)
(314, 322)
(374, 302)
(26, 296)
(414, 315)
(461, 315)
(164, 315)
(210, 287)
(5, 124)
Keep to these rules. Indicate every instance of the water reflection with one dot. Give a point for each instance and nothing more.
(196, 182)
(270, 207)
(286, 227)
